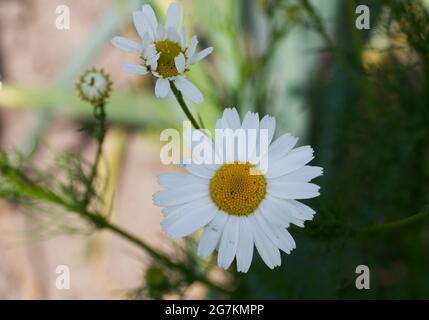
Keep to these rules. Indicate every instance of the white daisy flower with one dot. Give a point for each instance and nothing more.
(238, 208)
(94, 86)
(163, 51)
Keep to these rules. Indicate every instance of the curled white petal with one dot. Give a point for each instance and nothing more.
(150, 16)
(141, 24)
(180, 63)
(201, 55)
(133, 68)
(162, 87)
(189, 90)
(212, 234)
(173, 16)
(228, 243)
(192, 46)
(127, 45)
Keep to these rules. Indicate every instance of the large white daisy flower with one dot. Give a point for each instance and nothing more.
(163, 51)
(238, 208)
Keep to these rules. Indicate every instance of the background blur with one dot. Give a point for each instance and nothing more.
(359, 97)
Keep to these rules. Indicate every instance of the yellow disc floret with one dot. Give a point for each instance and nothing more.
(168, 50)
(238, 188)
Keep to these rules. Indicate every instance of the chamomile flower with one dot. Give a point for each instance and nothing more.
(240, 204)
(94, 86)
(163, 51)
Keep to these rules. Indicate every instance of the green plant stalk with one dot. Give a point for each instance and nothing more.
(100, 117)
(30, 188)
(397, 224)
(320, 29)
(163, 259)
(184, 106)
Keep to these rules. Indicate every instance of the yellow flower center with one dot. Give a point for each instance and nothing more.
(168, 51)
(238, 188)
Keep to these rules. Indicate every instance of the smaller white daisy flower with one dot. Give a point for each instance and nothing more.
(163, 51)
(94, 86)
(238, 202)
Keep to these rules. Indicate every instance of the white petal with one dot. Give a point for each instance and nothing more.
(292, 208)
(231, 118)
(141, 24)
(162, 87)
(183, 33)
(152, 61)
(273, 212)
(173, 16)
(305, 210)
(276, 235)
(250, 121)
(245, 246)
(173, 35)
(228, 243)
(180, 63)
(185, 194)
(201, 55)
(266, 248)
(279, 214)
(304, 174)
(133, 68)
(169, 210)
(281, 147)
(161, 33)
(221, 124)
(293, 190)
(202, 148)
(190, 222)
(189, 90)
(126, 45)
(150, 17)
(192, 46)
(177, 180)
(211, 236)
(284, 236)
(200, 170)
(149, 52)
(268, 123)
(176, 212)
(295, 159)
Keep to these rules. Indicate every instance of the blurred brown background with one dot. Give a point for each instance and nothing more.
(32, 52)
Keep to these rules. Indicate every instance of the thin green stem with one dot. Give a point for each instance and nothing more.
(184, 106)
(397, 224)
(160, 257)
(100, 117)
(329, 43)
(30, 188)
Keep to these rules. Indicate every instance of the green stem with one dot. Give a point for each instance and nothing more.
(394, 224)
(183, 105)
(330, 45)
(30, 188)
(100, 116)
(160, 257)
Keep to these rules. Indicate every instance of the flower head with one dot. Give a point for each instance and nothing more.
(163, 51)
(94, 86)
(238, 201)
